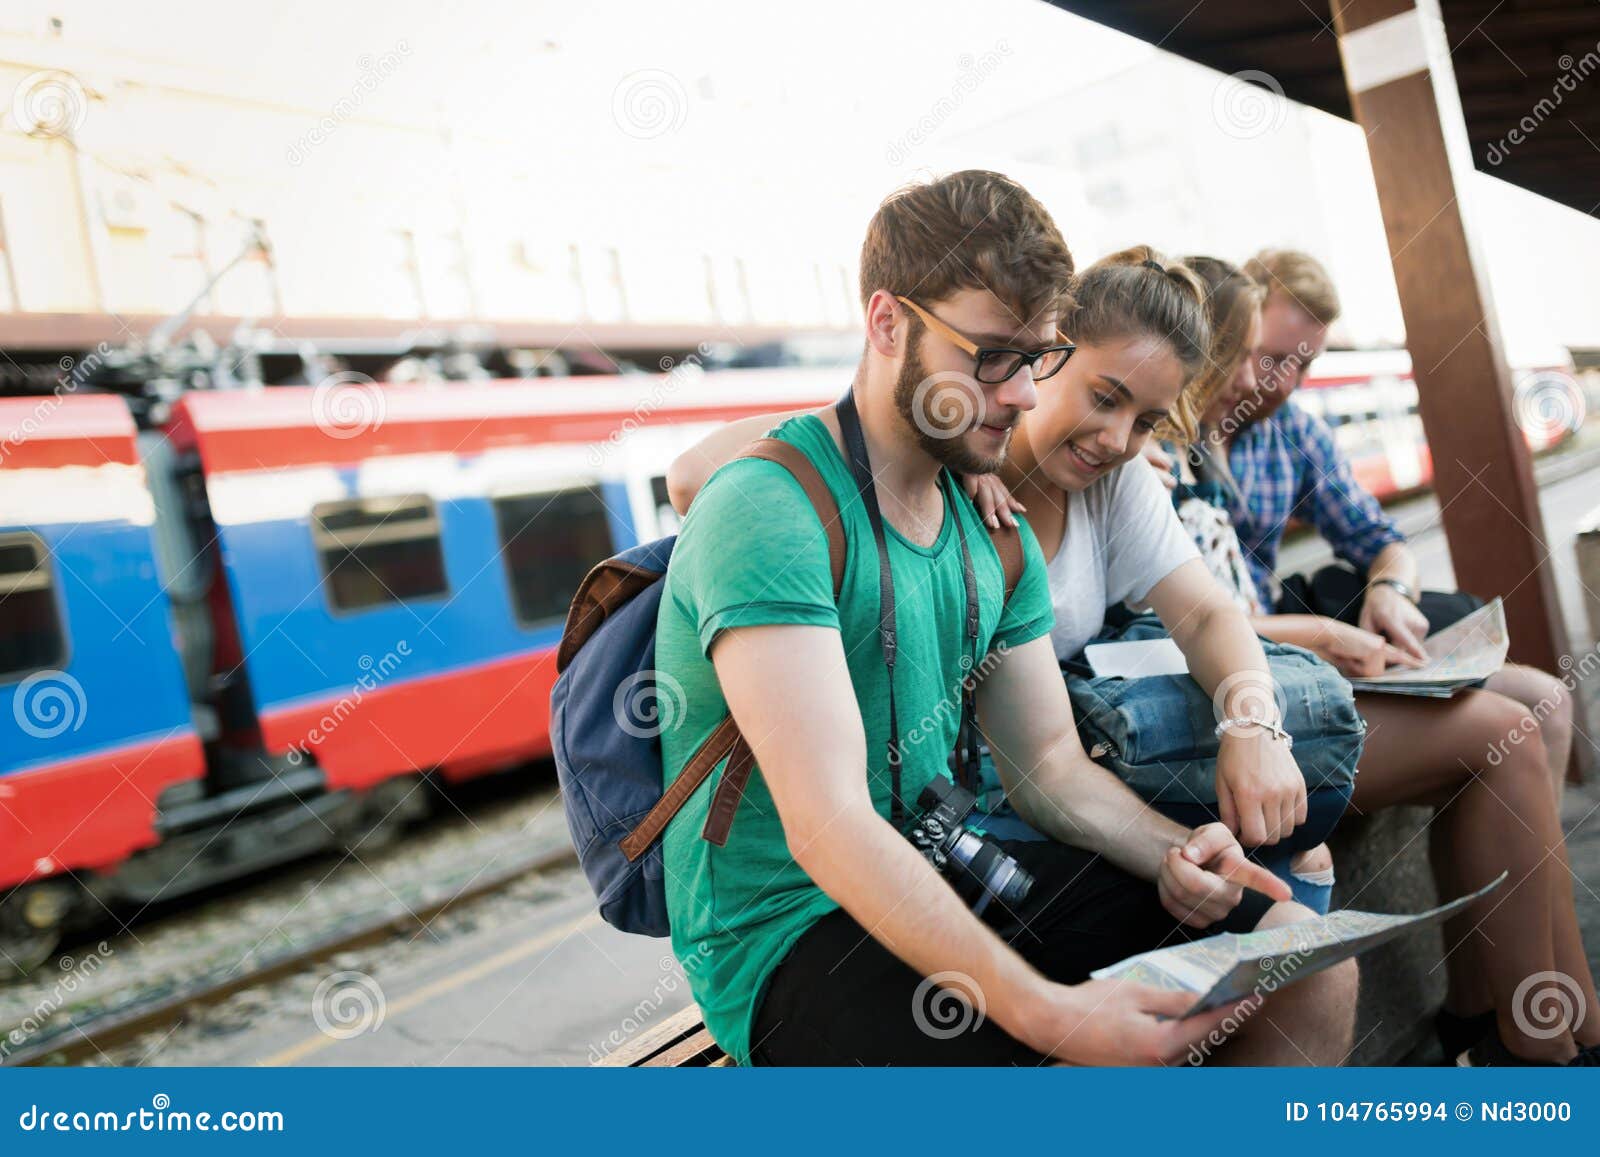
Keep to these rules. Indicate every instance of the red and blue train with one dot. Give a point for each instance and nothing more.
(246, 634)
(249, 631)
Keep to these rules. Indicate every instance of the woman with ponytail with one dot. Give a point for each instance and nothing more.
(1105, 523)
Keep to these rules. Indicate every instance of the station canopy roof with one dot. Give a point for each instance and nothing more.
(1508, 55)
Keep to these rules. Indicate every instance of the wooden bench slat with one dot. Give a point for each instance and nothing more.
(699, 1049)
(650, 1045)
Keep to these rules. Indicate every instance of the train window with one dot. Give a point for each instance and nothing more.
(666, 518)
(31, 637)
(550, 541)
(378, 550)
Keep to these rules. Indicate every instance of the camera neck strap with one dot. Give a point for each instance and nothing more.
(861, 469)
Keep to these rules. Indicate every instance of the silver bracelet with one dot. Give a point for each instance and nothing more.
(1274, 728)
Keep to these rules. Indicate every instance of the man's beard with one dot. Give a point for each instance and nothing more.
(951, 450)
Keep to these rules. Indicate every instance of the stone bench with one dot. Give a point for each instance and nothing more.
(1381, 865)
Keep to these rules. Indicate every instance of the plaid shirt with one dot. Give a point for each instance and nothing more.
(1287, 466)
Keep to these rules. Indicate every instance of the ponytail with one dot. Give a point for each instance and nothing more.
(1137, 292)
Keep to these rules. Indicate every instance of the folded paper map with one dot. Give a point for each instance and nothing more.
(1224, 969)
(1470, 649)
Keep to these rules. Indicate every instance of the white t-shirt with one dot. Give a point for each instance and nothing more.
(1123, 537)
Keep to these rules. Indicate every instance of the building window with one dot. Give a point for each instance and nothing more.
(375, 551)
(31, 637)
(550, 541)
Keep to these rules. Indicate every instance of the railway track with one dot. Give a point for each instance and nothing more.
(87, 1039)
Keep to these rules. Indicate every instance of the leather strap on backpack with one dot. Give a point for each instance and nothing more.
(718, 744)
(791, 458)
(609, 585)
(725, 740)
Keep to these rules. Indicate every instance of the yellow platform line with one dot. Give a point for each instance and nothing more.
(444, 984)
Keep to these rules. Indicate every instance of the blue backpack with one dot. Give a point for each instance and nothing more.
(609, 765)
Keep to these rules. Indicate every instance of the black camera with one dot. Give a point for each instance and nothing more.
(977, 867)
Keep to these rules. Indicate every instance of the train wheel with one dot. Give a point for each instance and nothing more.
(389, 808)
(30, 926)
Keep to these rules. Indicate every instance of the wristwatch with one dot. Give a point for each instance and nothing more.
(1405, 592)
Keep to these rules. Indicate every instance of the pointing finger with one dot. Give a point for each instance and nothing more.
(1249, 874)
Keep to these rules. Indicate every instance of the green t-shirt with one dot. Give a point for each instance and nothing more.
(752, 552)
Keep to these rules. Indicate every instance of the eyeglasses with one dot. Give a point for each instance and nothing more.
(996, 363)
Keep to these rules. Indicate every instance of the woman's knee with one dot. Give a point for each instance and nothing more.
(1312, 862)
(1285, 912)
(1544, 695)
(1510, 732)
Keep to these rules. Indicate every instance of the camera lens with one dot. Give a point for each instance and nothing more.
(1011, 882)
(982, 870)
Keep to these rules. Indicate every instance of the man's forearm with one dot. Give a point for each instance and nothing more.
(1297, 630)
(1219, 644)
(1092, 809)
(884, 883)
(1394, 561)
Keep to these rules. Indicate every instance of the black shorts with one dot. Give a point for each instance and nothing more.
(841, 998)
(1337, 592)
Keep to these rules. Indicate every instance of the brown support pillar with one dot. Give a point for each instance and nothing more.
(1397, 66)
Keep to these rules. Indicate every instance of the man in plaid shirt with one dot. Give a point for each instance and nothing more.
(1285, 464)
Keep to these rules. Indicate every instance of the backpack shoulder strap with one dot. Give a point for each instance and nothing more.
(725, 740)
(611, 584)
(1008, 545)
(794, 460)
(741, 760)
